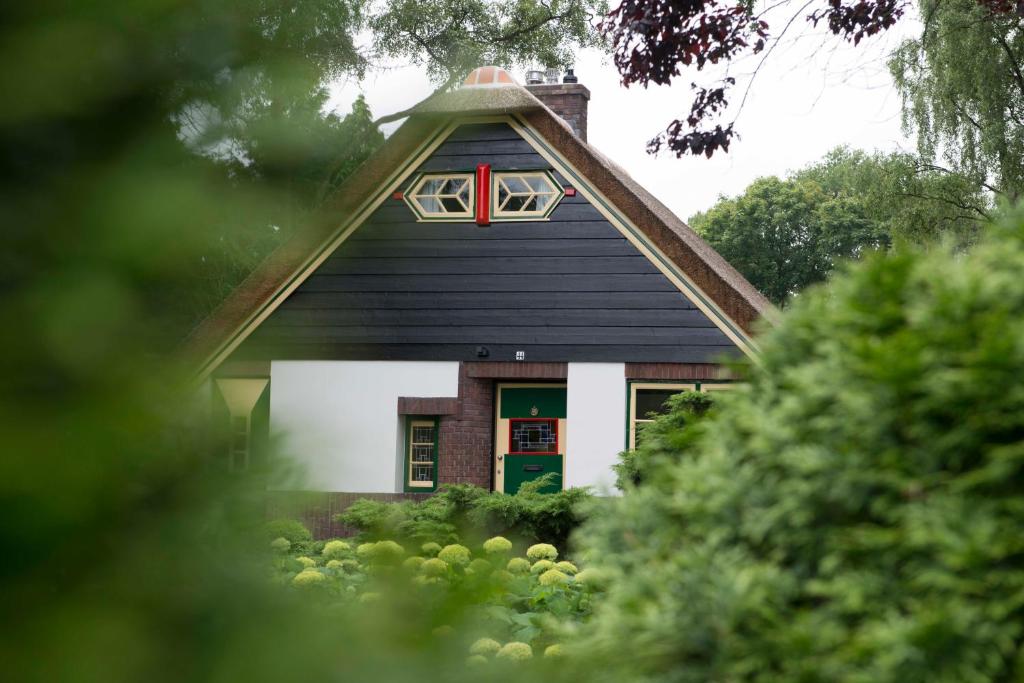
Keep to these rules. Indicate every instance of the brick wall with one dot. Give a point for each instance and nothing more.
(568, 100)
(676, 371)
(466, 439)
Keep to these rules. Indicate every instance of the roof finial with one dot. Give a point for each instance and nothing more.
(488, 77)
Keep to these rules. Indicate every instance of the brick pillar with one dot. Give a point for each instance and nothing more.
(466, 439)
(568, 100)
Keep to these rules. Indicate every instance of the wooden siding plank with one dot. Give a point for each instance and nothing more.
(630, 301)
(570, 288)
(494, 248)
(483, 148)
(498, 162)
(553, 282)
(484, 265)
(524, 335)
(571, 317)
(603, 353)
(471, 231)
(484, 131)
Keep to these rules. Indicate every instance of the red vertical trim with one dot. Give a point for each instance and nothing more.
(483, 194)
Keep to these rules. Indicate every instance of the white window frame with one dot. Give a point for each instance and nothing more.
(411, 197)
(497, 213)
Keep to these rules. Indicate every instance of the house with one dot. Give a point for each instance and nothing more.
(487, 300)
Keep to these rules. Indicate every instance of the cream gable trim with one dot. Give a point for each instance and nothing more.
(638, 239)
(397, 179)
(394, 182)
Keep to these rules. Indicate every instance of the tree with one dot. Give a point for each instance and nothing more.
(654, 40)
(256, 108)
(852, 513)
(784, 235)
(962, 84)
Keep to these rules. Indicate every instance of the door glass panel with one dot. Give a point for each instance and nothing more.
(533, 436)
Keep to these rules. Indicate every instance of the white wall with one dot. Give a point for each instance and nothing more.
(339, 419)
(596, 423)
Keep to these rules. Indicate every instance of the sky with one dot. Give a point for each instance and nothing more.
(812, 94)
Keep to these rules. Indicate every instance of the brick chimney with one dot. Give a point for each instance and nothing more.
(568, 99)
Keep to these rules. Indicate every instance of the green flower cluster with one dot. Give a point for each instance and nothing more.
(455, 555)
(542, 551)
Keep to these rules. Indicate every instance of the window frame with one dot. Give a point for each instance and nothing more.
(423, 216)
(633, 386)
(508, 216)
(552, 420)
(412, 421)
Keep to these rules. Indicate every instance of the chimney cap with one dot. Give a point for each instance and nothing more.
(570, 77)
(534, 77)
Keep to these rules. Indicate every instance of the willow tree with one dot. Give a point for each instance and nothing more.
(962, 83)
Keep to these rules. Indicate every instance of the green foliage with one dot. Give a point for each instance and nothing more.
(785, 235)
(127, 557)
(524, 611)
(451, 37)
(665, 440)
(290, 529)
(465, 511)
(908, 199)
(853, 513)
(963, 91)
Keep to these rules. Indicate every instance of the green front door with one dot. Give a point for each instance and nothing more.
(529, 435)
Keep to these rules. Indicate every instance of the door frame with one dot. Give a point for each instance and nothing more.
(501, 436)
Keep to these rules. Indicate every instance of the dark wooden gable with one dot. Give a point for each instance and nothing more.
(571, 288)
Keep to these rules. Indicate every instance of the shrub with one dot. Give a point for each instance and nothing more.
(336, 550)
(290, 529)
(515, 652)
(553, 577)
(541, 566)
(461, 510)
(434, 567)
(485, 646)
(308, 577)
(455, 555)
(386, 552)
(479, 566)
(665, 440)
(430, 549)
(281, 544)
(542, 551)
(306, 561)
(518, 565)
(497, 545)
(854, 513)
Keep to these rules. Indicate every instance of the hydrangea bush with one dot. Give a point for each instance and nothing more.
(519, 605)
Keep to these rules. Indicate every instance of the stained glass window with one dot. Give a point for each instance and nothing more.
(533, 436)
(422, 453)
(443, 196)
(521, 195)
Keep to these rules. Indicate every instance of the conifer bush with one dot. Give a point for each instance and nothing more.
(855, 512)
